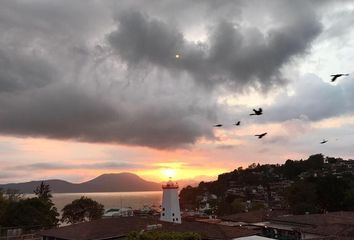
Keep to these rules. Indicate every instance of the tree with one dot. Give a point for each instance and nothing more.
(349, 200)
(315, 161)
(238, 206)
(83, 209)
(224, 208)
(16, 211)
(252, 166)
(257, 206)
(6, 197)
(29, 212)
(302, 197)
(3, 205)
(331, 193)
(188, 196)
(157, 235)
(43, 192)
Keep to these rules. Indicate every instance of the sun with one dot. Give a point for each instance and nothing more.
(169, 172)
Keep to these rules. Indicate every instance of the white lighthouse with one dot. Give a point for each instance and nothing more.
(170, 203)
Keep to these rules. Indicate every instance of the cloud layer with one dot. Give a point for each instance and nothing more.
(235, 55)
(106, 71)
(313, 100)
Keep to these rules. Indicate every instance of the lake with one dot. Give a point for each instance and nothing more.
(135, 200)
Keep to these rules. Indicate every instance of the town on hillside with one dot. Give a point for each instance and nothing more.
(316, 185)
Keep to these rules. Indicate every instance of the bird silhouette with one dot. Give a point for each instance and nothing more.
(257, 112)
(335, 76)
(218, 125)
(237, 124)
(260, 135)
(323, 141)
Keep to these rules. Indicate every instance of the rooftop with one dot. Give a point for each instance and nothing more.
(120, 227)
(317, 219)
(253, 216)
(334, 225)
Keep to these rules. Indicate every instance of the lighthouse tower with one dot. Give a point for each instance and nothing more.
(170, 203)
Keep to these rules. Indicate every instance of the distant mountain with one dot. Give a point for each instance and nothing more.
(113, 182)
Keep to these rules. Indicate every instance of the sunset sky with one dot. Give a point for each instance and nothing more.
(100, 86)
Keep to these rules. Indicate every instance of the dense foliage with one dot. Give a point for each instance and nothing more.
(83, 209)
(156, 235)
(37, 212)
(6, 198)
(27, 213)
(321, 194)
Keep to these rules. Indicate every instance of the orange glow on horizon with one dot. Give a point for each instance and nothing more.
(181, 174)
(79, 162)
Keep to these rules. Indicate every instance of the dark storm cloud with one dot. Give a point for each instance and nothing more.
(68, 112)
(234, 55)
(55, 111)
(50, 19)
(21, 72)
(58, 78)
(139, 39)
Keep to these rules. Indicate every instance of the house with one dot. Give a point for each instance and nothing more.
(119, 212)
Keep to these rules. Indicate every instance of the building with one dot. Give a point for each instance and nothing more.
(119, 228)
(170, 203)
(119, 212)
(280, 225)
(334, 225)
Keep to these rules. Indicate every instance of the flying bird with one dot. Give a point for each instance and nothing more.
(324, 141)
(260, 135)
(335, 76)
(257, 112)
(238, 123)
(218, 125)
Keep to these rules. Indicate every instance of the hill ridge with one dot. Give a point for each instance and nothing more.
(107, 182)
